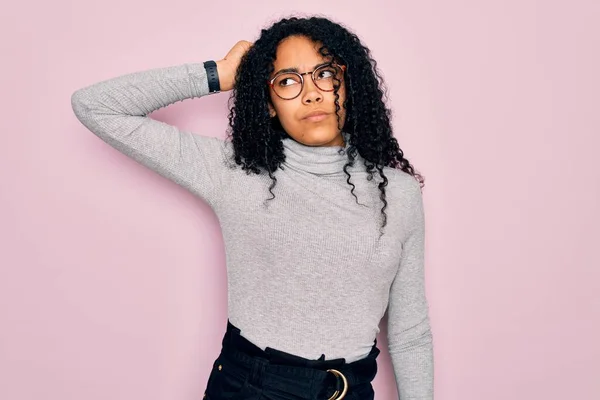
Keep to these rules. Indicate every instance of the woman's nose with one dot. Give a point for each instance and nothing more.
(311, 92)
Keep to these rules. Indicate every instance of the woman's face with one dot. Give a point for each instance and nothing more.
(302, 54)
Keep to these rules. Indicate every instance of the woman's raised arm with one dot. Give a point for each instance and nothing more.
(116, 110)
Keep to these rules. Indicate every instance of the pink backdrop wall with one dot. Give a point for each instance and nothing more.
(112, 279)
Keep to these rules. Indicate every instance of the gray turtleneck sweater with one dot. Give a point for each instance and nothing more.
(306, 272)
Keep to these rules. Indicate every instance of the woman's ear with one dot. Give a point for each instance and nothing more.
(272, 111)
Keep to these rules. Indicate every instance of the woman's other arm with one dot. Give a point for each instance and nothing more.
(409, 332)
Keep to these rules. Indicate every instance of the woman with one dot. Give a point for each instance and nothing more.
(321, 214)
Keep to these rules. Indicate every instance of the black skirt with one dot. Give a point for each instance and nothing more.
(243, 371)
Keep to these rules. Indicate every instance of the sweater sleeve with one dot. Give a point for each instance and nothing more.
(409, 333)
(116, 110)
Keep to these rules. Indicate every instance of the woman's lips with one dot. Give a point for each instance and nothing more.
(317, 117)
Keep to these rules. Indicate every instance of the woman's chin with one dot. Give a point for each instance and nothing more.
(319, 137)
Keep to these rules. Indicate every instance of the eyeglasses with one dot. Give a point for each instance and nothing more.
(289, 85)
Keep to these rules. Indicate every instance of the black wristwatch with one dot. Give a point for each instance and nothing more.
(213, 77)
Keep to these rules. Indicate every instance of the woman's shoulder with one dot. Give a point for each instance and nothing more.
(401, 181)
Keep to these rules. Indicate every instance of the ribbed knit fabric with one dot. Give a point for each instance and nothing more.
(306, 272)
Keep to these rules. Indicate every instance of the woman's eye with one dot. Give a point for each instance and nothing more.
(287, 82)
(326, 74)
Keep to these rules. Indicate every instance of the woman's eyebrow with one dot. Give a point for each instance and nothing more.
(295, 69)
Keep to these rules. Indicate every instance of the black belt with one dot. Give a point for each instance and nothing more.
(333, 374)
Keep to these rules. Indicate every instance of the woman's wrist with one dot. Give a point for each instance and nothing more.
(225, 75)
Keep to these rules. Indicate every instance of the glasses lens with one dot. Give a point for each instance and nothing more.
(287, 86)
(327, 77)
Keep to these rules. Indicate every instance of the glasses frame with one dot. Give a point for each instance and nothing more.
(301, 75)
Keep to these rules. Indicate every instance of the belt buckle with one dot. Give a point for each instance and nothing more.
(344, 391)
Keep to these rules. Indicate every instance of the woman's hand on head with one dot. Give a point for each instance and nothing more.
(229, 64)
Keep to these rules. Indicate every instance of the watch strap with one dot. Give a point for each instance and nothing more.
(212, 76)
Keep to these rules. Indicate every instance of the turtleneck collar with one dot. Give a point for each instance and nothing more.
(318, 160)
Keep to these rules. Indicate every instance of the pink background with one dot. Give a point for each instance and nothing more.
(112, 279)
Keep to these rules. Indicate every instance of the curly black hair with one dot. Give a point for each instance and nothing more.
(257, 137)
